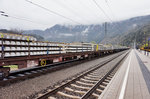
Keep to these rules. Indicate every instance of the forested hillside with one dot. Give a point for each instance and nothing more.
(137, 35)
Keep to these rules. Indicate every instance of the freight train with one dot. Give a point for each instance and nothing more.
(26, 51)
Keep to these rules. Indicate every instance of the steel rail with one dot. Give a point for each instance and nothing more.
(55, 90)
(36, 71)
(86, 95)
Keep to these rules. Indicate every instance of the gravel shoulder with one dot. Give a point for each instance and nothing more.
(31, 86)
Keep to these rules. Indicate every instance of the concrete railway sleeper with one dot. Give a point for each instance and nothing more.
(20, 62)
(85, 86)
(37, 71)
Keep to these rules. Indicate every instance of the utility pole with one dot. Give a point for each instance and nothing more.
(135, 41)
(105, 31)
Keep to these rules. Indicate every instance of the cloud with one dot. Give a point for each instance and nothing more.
(65, 34)
(82, 11)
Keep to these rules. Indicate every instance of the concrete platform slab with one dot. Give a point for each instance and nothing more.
(132, 80)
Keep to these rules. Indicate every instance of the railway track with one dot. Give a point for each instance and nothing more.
(37, 71)
(89, 84)
(26, 73)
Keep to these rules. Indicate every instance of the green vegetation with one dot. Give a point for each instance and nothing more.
(137, 35)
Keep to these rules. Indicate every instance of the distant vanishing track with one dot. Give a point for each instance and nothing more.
(89, 84)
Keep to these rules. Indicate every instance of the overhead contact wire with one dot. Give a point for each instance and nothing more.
(103, 11)
(53, 12)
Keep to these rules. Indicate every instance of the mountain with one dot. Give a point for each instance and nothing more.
(138, 35)
(94, 32)
(20, 32)
(61, 33)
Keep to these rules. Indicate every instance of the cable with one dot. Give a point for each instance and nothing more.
(71, 10)
(53, 12)
(112, 13)
(110, 8)
(6, 15)
(104, 13)
(101, 9)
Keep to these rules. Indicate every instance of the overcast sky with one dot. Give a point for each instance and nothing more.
(24, 15)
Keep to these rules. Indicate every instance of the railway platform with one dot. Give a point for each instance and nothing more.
(132, 80)
(145, 53)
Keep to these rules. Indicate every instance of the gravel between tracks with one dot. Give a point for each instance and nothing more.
(28, 87)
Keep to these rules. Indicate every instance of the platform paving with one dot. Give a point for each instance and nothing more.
(132, 80)
(144, 53)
